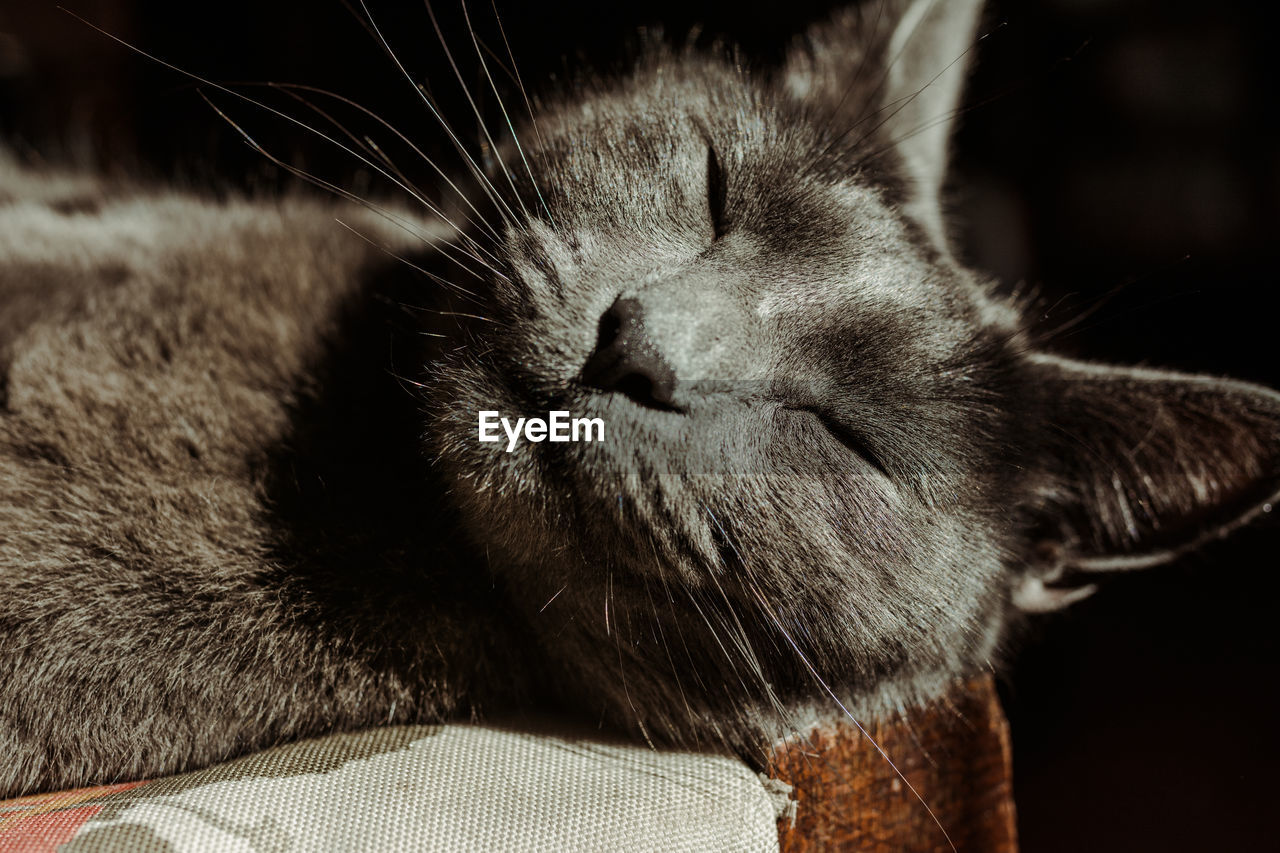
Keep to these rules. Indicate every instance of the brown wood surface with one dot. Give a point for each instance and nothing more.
(954, 753)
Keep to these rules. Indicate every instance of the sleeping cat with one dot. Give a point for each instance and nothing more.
(243, 498)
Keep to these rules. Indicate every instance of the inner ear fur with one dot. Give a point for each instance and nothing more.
(895, 67)
(1145, 464)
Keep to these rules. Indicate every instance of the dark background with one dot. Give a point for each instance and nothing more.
(1122, 157)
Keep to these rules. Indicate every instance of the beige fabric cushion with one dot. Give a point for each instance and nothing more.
(443, 788)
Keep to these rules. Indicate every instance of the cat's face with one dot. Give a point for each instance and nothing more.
(829, 449)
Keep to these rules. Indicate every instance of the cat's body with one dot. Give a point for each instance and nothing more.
(164, 352)
(243, 501)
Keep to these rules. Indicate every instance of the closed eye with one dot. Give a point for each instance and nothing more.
(715, 193)
(846, 436)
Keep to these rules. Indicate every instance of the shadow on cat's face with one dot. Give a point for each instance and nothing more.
(829, 454)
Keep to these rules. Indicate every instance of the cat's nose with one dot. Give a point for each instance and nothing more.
(626, 359)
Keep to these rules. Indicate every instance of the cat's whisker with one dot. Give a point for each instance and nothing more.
(553, 597)
(400, 179)
(744, 642)
(369, 27)
(787, 727)
(497, 60)
(466, 91)
(272, 110)
(902, 103)
(399, 221)
(1094, 307)
(444, 247)
(364, 142)
(1069, 328)
(739, 635)
(711, 629)
(904, 719)
(857, 75)
(483, 223)
(505, 115)
(524, 92)
(461, 314)
(478, 174)
(451, 285)
(895, 106)
(804, 660)
(406, 381)
(372, 146)
(504, 210)
(675, 618)
(675, 670)
(874, 95)
(622, 669)
(941, 120)
(785, 717)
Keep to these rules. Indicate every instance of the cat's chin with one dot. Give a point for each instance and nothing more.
(690, 573)
(595, 475)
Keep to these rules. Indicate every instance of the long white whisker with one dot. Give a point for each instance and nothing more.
(884, 78)
(399, 221)
(857, 75)
(364, 143)
(371, 28)
(524, 92)
(272, 110)
(945, 117)
(504, 210)
(505, 115)
(622, 669)
(902, 103)
(482, 223)
(417, 268)
(675, 671)
(716, 636)
(553, 597)
(748, 650)
(662, 576)
(372, 147)
(875, 91)
(493, 146)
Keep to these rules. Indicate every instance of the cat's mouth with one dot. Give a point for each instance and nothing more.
(543, 470)
(616, 463)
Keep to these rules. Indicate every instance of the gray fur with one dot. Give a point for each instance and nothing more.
(864, 470)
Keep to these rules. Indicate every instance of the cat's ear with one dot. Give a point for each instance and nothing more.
(1142, 465)
(892, 71)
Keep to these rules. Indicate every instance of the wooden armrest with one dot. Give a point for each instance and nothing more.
(955, 753)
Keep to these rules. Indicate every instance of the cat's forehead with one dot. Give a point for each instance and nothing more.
(660, 95)
(642, 142)
(638, 153)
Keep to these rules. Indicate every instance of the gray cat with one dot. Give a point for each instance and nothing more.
(243, 498)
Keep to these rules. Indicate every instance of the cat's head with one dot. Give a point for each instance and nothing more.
(833, 457)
